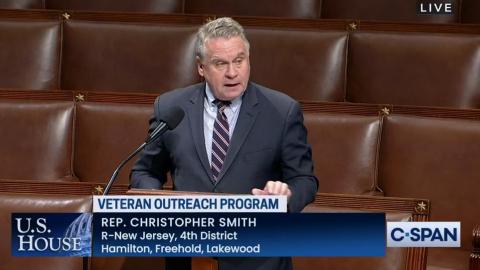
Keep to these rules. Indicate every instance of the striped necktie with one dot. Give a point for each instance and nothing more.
(220, 138)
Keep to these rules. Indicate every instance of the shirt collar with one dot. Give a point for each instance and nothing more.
(236, 102)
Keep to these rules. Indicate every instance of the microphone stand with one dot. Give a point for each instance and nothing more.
(159, 130)
(119, 168)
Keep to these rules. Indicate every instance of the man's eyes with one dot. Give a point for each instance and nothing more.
(221, 64)
(238, 61)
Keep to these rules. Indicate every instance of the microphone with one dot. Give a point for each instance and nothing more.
(169, 121)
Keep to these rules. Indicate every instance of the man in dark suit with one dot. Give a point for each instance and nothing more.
(236, 137)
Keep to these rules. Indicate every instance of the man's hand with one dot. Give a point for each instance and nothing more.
(273, 188)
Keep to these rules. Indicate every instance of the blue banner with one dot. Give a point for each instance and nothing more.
(218, 235)
(198, 234)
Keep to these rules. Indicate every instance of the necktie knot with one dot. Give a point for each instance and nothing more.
(221, 104)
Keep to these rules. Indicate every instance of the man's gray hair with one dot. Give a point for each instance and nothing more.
(220, 28)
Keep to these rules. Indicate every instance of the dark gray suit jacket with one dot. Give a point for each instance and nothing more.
(268, 143)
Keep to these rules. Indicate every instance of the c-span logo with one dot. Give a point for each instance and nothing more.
(423, 234)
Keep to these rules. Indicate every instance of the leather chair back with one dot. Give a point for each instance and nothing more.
(345, 151)
(36, 140)
(30, 54)
(105, 134)
(127, 57)
(424, 69)
(306, 65)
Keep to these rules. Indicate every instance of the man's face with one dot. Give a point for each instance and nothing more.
(225, 67)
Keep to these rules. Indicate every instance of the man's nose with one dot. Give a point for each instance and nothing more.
(232, 71)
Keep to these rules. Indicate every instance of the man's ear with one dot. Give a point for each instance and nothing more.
(200, 66)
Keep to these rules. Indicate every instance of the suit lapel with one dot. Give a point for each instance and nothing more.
(245, 121)
(195, 115)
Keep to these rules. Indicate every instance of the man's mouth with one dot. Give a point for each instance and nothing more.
(231, 84)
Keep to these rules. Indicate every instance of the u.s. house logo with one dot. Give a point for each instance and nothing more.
(51, 234)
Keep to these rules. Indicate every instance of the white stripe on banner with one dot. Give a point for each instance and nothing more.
(191, 204)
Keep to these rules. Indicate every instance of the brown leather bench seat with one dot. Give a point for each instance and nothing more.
(308, 60)
(422, 69)
(105, 133)
(435, 159)
(158, 57)
(420, 157)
